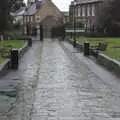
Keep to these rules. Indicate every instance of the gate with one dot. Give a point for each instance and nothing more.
(58, 31)
(47, 31)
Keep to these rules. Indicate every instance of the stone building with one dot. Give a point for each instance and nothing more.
(42, 12)
(85, 12)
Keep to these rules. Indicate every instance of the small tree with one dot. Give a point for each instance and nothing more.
(108, 19)
(4, 15)
(16, 4)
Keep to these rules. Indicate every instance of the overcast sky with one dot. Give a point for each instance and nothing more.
(63, 5)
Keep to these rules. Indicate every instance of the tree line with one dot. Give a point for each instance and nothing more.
(7, 6)
(108, 19)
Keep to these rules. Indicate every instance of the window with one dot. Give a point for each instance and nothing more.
(79, 11)
(83, 10)
(93, 9)
(37, 18)
(88, 10)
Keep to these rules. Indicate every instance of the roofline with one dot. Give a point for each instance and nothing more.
(54, 6)
(41, 8)
(86, 2)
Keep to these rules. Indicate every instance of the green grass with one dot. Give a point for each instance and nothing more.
(13, 43)
(113, 49)
(2, 60)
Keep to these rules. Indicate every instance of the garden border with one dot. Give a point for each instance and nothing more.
(109, 63)
(103, 60)
(6, 64)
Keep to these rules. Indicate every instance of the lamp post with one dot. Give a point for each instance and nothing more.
(74, 22)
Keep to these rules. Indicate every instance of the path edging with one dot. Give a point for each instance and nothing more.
(110, 64)
(4, 66)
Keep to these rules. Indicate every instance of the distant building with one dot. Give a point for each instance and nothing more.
(85, 12)
(66, 17)
(42, 12)
(18, 15)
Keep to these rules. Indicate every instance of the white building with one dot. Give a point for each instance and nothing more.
(18, 15)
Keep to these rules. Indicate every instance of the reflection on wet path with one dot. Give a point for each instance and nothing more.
(24, 82)
(68, 89)
(55, 84)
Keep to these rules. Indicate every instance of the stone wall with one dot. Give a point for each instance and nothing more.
(4, 67)
(110, 64)
(107, 62)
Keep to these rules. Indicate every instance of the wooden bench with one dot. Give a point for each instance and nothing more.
(95, 50)
(102, 46)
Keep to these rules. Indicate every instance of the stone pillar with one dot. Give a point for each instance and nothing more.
(25, 30)
(29, 42)
(38, 30)
(41, 33)
(14, 58)
(86, 49)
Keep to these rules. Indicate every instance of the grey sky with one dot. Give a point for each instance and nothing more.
(63, 5)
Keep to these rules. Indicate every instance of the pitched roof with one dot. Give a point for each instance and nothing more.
(19, 12)
(31, 10)
(49, 9)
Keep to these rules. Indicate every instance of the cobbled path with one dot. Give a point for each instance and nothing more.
(68, 89)
(60, 84)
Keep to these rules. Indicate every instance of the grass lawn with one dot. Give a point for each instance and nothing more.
(13, 43)
(113, 49)
(2, 60)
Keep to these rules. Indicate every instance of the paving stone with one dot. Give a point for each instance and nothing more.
(58, 84)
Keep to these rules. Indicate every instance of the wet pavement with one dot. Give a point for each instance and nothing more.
(55, 82)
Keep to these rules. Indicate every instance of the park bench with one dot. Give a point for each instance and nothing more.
(5, 51)
(95, 50)
(102, 46)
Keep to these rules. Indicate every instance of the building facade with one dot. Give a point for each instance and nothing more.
(18, 15)
(41, 12)
(85, 12)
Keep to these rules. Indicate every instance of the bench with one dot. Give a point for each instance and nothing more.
(102, 46)
(95, 50)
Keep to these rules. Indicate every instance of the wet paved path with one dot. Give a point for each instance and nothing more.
(57, 83)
